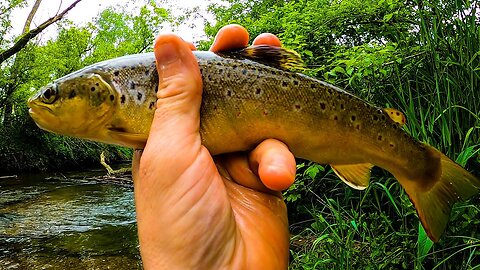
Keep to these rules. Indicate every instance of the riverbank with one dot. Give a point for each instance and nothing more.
(26, 148)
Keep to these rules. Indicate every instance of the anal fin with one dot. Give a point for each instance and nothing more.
(356, 176)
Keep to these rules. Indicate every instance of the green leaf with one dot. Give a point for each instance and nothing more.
(424, 244)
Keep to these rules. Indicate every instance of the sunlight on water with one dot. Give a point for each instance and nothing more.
(69, 221)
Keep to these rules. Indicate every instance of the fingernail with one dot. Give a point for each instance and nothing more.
(166, 53)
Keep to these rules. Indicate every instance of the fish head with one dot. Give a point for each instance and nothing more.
(77, 105)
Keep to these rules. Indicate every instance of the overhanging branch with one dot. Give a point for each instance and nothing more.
(25, 38)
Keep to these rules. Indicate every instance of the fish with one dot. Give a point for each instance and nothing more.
(253, 94)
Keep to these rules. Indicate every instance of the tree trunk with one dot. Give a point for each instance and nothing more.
(8, 113)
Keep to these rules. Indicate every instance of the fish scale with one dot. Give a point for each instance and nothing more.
(251, 95)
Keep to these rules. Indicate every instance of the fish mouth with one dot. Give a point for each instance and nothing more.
(43, 116)
(35, 109)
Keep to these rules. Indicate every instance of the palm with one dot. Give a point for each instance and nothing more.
(211, 221)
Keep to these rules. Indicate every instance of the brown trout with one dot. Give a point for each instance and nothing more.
(248, 96)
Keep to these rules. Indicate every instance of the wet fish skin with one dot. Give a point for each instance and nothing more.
(245, 102)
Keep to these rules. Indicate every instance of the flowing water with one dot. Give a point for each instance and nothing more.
(72, 221)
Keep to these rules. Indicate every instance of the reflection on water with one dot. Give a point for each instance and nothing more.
(66, 222)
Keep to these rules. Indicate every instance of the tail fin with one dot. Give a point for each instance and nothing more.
(449, 185)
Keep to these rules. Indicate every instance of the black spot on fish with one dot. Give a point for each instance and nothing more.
(201, 70)
(297, 107)
(93, 89)
(342, 106)
(116, 73)
(122, 99)
(156, 88)
(330, 91)
(380, 137)
(147, 72)
(72, 94)
(284, 84)
(234, 66)
(313, 86)
(258, 91)
(112, 97)
(383, 117)
(97, 84)
(398, 113)
(335, 117)
(139, 96)
(392, 145)
(353, 118)
(358, 126)
(132, 85)
(229, 93)
(323, 106)
(295, 83)
(152, 105)
(375, 117)
(244, 72)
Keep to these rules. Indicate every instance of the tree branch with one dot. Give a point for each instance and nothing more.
(32, 13)
(25, 38)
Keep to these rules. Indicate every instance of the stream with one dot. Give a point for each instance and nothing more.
(67, 221)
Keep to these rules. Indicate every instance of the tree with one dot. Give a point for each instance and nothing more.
(114, 33)
(13, 72)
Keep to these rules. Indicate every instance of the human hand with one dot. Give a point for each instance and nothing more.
(196, 211)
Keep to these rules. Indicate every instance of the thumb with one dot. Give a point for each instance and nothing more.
(174, 134)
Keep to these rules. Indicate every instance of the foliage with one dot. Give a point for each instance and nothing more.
(114, 33)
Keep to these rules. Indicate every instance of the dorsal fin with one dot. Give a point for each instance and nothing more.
(356, 176)
(396, 116)
(269, 55)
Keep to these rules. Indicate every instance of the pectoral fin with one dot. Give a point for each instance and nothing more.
(136, 141)
(355, 175)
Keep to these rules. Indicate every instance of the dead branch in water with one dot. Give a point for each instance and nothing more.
(109, 169)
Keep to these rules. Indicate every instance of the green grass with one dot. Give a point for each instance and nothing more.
(335, 227)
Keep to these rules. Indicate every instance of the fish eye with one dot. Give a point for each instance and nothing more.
(49, 95)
